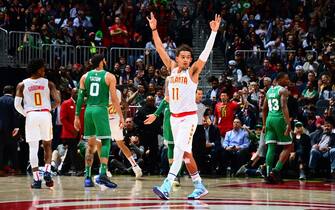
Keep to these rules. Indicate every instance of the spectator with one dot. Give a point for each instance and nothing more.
(199, 139)
(309, 94)
(149, 134)
(310, 64)
(117, 72)
(130, 130)
(127, 75)
(119, 34)
(325, 87)
(213, 93)
(150, 74)
(275, 46)
(266, 71)
(235, 72)
(302, 147)
(213, 144)
(170, 47)
(70, 137)
(235, 147)
(224, 113)
(137, 151)
(323, 146)
(184, 25)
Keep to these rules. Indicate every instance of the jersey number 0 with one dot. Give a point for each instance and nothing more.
(94, 89)
(37, 99)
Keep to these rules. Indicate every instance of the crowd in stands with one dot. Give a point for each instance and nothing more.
(297, 35)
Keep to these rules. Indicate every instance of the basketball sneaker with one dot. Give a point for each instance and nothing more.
(88, 182)
(48, 180)
(104, 180)
(36, 184)
(275, 176)
(242, 171)
(198, 192)
(137, 171)
(163, 192)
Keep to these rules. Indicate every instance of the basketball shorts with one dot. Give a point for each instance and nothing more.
(96, 123)
(38, 126)
(117, 132)
(183, 129)
(275, 129)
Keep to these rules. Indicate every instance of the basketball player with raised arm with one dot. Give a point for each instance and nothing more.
(182, 86)
(97, 85)
(35, 92)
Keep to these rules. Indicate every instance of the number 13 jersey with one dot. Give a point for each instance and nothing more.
(274, 104)
(182, 92)
(36, 94)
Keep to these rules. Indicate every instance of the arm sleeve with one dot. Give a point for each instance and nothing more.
(208, 48)
(18, 105)
(161, 107)
(80, 101)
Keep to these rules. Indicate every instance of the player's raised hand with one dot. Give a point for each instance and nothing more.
(215, 24)
(150, 119)
(152, 21)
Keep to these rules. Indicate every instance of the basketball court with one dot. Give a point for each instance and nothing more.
(224, 193)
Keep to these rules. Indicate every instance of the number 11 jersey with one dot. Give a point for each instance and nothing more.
(182, 91)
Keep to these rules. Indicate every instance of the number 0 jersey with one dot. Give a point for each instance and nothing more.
(97, 91)
(181, 92)
(274, 104)
(36, 94)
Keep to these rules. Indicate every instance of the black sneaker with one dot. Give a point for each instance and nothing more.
(104, 180)
(275, 176)
(48, 180)
(268, 180)
(36, 184)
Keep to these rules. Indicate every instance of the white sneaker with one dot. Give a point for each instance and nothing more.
(138, 172)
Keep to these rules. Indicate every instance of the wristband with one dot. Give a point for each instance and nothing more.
(154, 30)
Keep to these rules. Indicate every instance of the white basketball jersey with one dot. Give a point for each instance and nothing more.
(181, 92)
(36, 94)
(111, 109)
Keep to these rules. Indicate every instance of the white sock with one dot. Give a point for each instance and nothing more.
(132, 161)
(47, 168)
(196, 177)
(36, 175)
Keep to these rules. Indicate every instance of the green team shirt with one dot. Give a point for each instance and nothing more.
(97, 90)
(274, 104)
